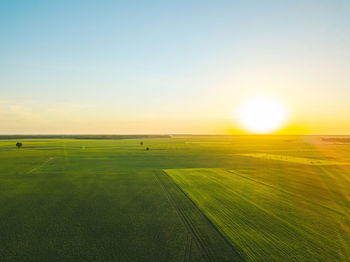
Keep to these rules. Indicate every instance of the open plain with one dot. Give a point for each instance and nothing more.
(189, 198)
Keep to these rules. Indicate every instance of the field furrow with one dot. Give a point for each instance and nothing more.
(213, 246)
(339, 212)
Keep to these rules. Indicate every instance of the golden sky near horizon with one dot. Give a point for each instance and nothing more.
(28, 118)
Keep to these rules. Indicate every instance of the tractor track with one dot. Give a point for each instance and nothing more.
(207, 255)
(207, 252)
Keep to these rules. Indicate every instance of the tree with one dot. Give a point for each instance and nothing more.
(147, 148)
(19, 145)
(141, 143)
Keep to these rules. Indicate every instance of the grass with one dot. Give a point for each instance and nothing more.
(110, 200)
(268, 216)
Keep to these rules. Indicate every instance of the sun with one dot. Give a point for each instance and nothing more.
(262, 115)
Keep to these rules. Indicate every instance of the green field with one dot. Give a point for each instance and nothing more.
(189, 198)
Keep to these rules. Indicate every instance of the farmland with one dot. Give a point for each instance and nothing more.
(189, 198)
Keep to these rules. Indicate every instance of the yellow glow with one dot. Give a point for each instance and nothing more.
(262, 115)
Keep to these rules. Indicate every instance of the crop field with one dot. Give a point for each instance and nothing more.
(269, 221)
(300, 160)
(188, 198)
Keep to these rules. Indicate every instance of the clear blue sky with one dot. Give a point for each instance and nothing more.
(170, 66)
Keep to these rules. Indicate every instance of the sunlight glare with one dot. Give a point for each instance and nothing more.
(262, 115)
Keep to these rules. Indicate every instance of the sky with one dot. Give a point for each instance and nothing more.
(175, 67)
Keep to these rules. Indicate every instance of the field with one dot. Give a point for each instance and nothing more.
(189, 198)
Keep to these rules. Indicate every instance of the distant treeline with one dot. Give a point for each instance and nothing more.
(82, 136)
(336, 139)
